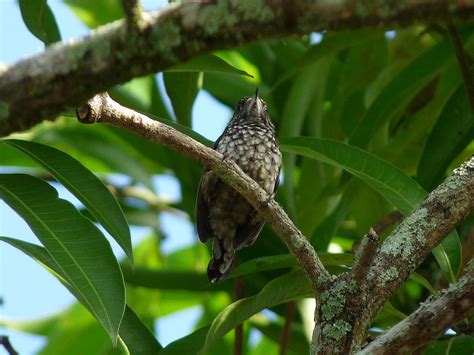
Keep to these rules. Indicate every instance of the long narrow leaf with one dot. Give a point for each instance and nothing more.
(135, 334)
(399, 189)
(208, 63)
(393, 99)
(280, 290)
(75, 244)
(85, 186)
(452, 132)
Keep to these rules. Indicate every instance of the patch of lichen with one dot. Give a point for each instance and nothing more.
(388, 275)
(333, 300)
(411, 231)
(336, 330)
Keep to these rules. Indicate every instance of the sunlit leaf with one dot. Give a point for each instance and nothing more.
(209, 63)
(95, 13)
(182, 89)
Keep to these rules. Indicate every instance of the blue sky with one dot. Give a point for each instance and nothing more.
(28, 291)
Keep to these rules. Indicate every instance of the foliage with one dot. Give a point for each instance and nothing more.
(368, 121)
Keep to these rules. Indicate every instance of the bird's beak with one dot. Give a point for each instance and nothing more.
(256, 102)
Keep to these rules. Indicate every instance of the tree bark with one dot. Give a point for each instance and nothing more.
(67, 74)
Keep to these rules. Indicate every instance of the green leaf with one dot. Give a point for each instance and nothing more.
(322, 234)
(229, 88)
(136, 335)
(331, 44)
(402, 191)
(399, 189)
(40, 20)
(182, 89)
(463, 344)
(83, 184)
(102, 144)
(74, 243)
(141, 94)
(96, 13)
(294, 113)
(209, 63)
(280, 290)
(419, 279)
(282, 261)
(452, 132)
(297, 341)
(399, 92)
(172, 280)
(185, 130)
(133, 331)
(190, 344)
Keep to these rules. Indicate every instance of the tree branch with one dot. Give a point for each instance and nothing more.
(410, 243)
(418, 234)
(430, 320)
(364, 256)
(67, 74)
(101, 108)
(7, 345)
(346, 310)
(133, 13)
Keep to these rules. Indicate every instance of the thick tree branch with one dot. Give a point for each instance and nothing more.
(430, 320)
(346, 310)
(101, 108)
(66, 74)
(419, 233)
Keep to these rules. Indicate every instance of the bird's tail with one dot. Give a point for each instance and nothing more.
(222, 261)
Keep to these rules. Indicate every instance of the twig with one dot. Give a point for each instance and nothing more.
(463, 61)
(387, 221)
(430, 320)
(364, 256)
(7, 345)
(133, 13)
(101, 108)
(290, 312)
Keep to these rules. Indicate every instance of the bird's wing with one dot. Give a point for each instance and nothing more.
(205, 191)
(247, 233)
(207, 187)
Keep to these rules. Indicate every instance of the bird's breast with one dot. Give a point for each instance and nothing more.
(256, 151)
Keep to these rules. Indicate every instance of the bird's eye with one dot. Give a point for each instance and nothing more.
(241, 103)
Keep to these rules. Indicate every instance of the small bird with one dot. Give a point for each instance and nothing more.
(222, 214)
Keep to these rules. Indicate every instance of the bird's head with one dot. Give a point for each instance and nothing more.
(252, 109)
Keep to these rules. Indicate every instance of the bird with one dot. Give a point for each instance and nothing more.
(221, 213)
